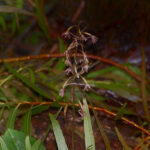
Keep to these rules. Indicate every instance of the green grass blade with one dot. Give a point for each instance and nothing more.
(26, 123)
(88, 131)
(19, 3)
(32, 76)
(1, 111)
(3, 144)
(61, 65)
(27, 82)
(105, 138)
(27, 143)
(98, 73)
(60, 140)
(42, 20)
(3, 23)
(12, 117)
(36, 145)
(121, 139)
(15, 140)
(143, 146)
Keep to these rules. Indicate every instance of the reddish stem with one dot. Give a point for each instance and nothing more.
(90, 107)
(46, 56)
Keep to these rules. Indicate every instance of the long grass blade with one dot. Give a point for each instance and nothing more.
(36, 145)
(27, 143)
(42, 20)
(61, 65)
(3, 144)
(60, 140)
(122, 141)
(26, 123)
(88, 131)
(12, 117)
(27, 82)
(105, 138)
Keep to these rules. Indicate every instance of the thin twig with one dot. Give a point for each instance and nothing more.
(90, 107)
(47, 56)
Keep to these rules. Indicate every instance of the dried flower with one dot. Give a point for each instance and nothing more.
(76, 67)
(61, 92)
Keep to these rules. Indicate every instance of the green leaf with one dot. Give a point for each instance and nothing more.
(36, 145)
(105, 138)
(120, 89)
(61, 65)
(1, 111)
(98, 73)
(121, 139)
(88, 131)
(143, 146)
(42, 20)
(123, 111)
(3, 144)
(27, 143)
(39, 109)
(12, 117)
(2, 95)
(19, 3)
(3, 23)
(32, 76)
(15, 140)
(60, 140)
(27, 82)
(26, 123)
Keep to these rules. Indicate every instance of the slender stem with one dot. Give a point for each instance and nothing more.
(90, 107)
(47, 56)
(143, 86)
(73, 113)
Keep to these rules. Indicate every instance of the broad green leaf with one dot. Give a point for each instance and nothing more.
(121, 139)
(26, 123)
(15, 140)
(3, 144)
(12, 117)
(27, 82)
(42, 20)
(88, 131)
(60, 140)
(27, 143)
